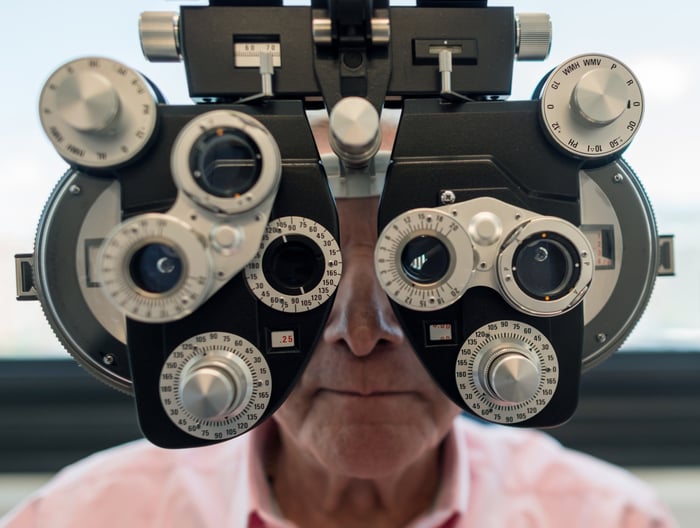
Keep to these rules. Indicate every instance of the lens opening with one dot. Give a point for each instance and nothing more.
(225, 162)
(293, 264)
(425, 259)
(546, 266)
(156, 268)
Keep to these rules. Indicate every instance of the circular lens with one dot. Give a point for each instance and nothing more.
(225, 163)
(293, 264)
(156, 268)
(425, 259)
(546, 266)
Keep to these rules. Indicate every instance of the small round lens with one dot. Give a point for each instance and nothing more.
(225, 163)
(156, 268)
(425, 259)
(546, 266)
(293, 265)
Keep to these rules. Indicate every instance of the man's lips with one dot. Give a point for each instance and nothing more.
(366, 393)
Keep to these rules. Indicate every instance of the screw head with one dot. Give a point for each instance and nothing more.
(447, 197)
(74, 190)
(108, 359)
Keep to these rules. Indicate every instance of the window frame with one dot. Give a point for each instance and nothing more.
(636, 409)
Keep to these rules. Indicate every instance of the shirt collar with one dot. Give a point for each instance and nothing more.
(454, 490)
(452, 499)
(263, 510)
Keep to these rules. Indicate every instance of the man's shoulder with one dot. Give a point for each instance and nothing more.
(532, 458)
(531, 467)
(141, 460)
(138, 484)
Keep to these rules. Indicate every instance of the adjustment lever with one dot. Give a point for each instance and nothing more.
(267, 70)
(445, 67)
(24, 274)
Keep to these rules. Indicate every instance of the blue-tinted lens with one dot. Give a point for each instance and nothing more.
(156, 268)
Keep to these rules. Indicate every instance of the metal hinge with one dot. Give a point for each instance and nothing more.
(667, 263)
(24, 275)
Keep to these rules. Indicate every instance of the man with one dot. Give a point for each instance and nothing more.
(366, 439)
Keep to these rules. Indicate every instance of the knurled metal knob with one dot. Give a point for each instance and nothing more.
(600, 97)
(534, 36)
(511, 377)
(159, 32)
(87, 101)
(354, 131)
(212, 390)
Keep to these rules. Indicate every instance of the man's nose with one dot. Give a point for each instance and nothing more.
(361, 317)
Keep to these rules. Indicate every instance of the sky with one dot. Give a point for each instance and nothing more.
(659, 48)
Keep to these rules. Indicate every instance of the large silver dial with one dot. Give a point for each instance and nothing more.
(297, 267)
(226, 161)
(97, 112)
(545, 267)
(424, 259)
(215, 386)
(592, 106)
(507, 371)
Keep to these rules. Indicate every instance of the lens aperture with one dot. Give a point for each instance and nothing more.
(293, 264)
(156, 268)
(225, 163)
(546, 266)
(425, 259)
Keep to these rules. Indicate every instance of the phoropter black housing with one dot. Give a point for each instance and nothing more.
(190, 254)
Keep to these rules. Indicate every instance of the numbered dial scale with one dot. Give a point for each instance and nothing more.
(592, 106)
(507, 372)
(297, 267)
(215, 386)
(414, 280)
(160, 242)
(97, 112)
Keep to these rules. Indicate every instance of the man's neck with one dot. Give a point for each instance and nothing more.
(311, 497)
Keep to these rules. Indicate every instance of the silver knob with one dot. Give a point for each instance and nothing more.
(591, 106)
(534, 36)
(215, 385)
(159, 32)
(213, 389)
(511, 377)
(355, 134)
(600, 97)
(97, 112)
(87, 101)
(322, 31)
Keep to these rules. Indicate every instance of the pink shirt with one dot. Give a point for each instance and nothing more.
(492, 477)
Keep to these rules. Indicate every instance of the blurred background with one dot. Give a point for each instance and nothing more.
(645, 382)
